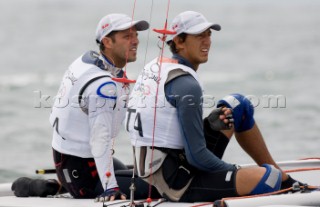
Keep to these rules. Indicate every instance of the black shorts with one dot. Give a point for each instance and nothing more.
(80, 178)
(210, 187)
(77, 175)
(205, 186)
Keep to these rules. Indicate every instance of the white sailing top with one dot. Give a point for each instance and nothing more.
(88, 111)
(141, 108)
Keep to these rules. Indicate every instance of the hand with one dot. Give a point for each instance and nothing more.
(111, 195)
(221, 119)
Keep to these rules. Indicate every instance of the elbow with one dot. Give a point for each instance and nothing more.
(194, 160)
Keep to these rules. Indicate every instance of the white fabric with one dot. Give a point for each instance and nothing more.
(141, 113)
(148, 160)
(116, 22)
(191, 22)
(87, 130)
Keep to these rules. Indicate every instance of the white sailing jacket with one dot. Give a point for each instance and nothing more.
(88, 111)
(141, 108)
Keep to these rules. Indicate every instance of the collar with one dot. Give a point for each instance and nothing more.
(182, 60)
(110, 67)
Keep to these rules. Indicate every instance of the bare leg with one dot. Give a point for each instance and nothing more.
(253, 143)
(248, 178)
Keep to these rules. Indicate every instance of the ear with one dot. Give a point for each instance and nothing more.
(179, 42)
(107, 42)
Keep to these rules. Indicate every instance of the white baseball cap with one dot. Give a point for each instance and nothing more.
(118, 22)
(191, 22)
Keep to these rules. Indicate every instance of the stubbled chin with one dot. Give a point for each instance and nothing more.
(132, 58)
(133, 53)
(204, 59)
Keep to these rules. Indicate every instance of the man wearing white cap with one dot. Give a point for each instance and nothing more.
(88, 111)
(184, 150)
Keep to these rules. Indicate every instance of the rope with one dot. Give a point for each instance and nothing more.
(302, 169)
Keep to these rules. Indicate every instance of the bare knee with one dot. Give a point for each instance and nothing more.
(248, 178)
(258, 180)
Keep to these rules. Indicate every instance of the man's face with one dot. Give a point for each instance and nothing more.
(123, 47)
(196, 48)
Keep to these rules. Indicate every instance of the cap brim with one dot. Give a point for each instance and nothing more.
(203, 27)
(197, 30)
(140, 25)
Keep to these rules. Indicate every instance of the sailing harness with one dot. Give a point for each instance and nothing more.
(171, 182)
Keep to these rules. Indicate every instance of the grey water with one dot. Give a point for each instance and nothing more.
(268, 50)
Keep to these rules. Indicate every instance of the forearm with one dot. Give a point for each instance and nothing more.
(105, 170)
(190, 118)
(197, 153)
(102, 148)
(101, 143)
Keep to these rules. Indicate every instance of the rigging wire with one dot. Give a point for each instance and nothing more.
(164, 33)
(124, 78)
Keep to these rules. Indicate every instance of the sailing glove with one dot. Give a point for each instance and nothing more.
(216, 123)
(111, 194)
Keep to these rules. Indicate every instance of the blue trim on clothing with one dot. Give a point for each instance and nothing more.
(182, 60)
(120, 74)
(104, 96)
(106, 59)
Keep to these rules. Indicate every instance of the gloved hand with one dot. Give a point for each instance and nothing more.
(221, 119)
(242, 111)
(289, 183)
(110, 195)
